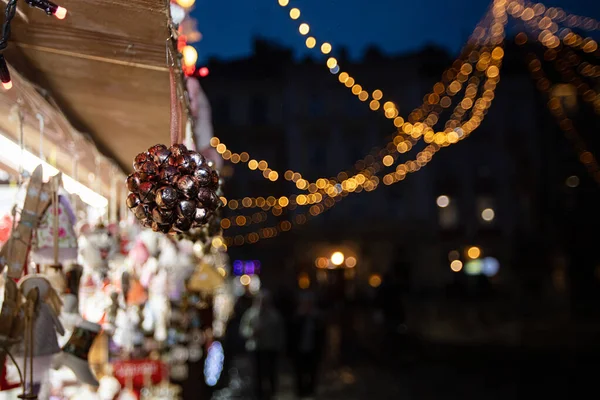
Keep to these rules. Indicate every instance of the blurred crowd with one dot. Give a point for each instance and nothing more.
(266, 333)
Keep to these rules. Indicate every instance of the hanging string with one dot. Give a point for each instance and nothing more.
(175, 114)
(180, 114)
(40, 118)
(176, 109)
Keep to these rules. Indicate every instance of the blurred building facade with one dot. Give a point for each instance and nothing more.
(298, 117)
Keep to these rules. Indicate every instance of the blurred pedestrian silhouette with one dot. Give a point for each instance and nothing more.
(263, 328)
(308, 338)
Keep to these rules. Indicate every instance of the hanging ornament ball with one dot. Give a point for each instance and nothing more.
(173, 189)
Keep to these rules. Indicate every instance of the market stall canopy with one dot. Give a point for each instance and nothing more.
(105, 67)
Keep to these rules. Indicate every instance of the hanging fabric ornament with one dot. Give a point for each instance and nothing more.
(43, 250)
(173, 189)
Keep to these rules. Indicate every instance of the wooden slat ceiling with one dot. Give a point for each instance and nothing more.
(105, 66)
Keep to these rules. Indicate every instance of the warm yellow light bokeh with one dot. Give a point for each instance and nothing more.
(245, 280)
(321, 262)
(303, 281)
(331, 62)
(351, 262)
(474, 252)
(375, 280)
(337, 258)
(304, 28)
(190, 55)
(456, 265)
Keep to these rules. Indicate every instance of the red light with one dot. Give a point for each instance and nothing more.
(181, 42)
(60, 13)
(7, 85)
(189, 70)
(203, 72)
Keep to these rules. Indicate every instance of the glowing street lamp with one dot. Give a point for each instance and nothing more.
(337, 258)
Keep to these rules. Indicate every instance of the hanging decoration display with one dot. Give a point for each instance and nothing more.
(102, 307)
(173, 190)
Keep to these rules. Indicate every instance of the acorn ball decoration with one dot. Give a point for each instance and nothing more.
(173, 189)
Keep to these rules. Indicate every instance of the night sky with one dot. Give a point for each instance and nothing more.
(394, 25)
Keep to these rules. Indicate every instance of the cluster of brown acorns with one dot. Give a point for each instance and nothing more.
(172, 189)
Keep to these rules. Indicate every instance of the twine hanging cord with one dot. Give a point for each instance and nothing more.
(175, 114)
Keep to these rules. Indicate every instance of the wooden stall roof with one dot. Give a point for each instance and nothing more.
(104, 65)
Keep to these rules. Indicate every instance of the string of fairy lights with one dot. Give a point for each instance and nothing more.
(555, 106)
(402, 170)
(409, 169)
(398, 143)
(545, 26)
(551, 36)
(265, 204)
(475, 74)
(315, 210)
(389, 108)
(411, 131)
